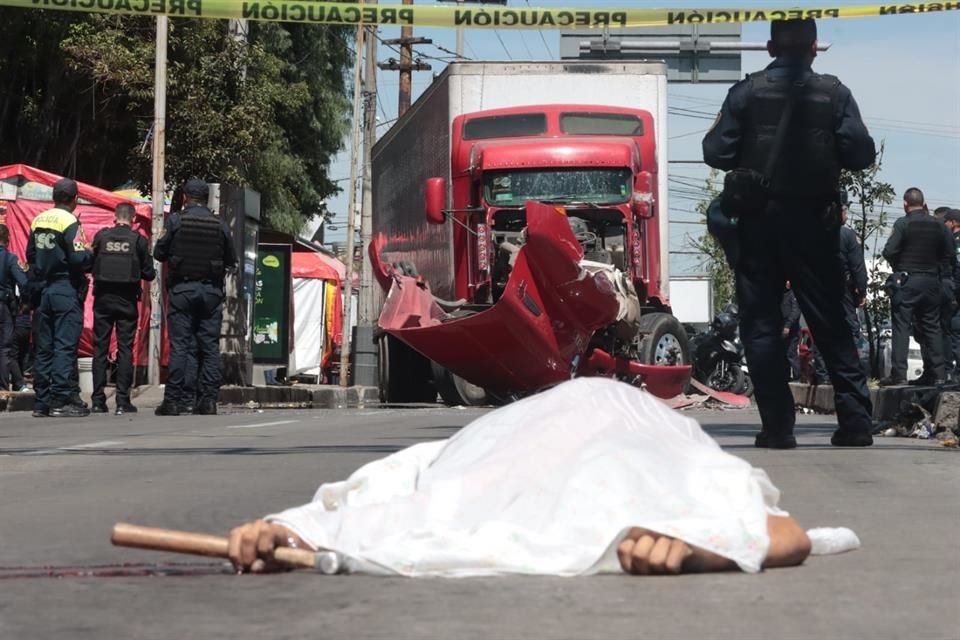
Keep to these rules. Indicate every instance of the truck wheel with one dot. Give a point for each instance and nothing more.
(455, 391)
(664, 340)
(404, 374)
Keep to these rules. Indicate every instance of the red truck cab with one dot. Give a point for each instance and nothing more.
(599, 162)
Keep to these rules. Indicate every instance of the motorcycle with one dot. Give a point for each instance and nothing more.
(717, 353)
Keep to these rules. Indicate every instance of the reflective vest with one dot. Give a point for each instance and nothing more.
(48, 230)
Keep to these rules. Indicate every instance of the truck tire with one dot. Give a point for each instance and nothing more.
(455, 391)
(664, 340)
(404, 374)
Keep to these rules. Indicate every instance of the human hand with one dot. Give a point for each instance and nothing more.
(252, 544)
(786, 332)
(645, 552)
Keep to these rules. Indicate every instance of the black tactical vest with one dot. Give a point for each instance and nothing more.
(117, 261)
(197, 251)
(923, 244)
(808, 166)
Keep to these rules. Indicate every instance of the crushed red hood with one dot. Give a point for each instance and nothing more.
(537, 332)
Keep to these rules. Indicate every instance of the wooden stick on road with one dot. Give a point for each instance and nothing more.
(201, 544)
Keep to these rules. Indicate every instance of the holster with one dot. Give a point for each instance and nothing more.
(745, 193)
(723, 227)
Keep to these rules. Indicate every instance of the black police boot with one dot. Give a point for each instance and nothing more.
(99, 407)
(845, 438)
(167, 409)
(41, 411)
(125, 407)
(775, 441)
(207, 407)
(69, 411)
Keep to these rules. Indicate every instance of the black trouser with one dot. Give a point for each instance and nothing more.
(109, 310)
(194, 318)
(793, 350)
(917, 304)
(850, 310)
(788, 242)
(40, 383)
(951, 341)
(6, 339)
(19, 355)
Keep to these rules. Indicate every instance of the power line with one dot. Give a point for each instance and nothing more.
(469, 46)
(496, 32)
(452, 53)
(687, 135)
(542, 38)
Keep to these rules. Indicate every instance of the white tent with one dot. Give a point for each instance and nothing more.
(316, 321)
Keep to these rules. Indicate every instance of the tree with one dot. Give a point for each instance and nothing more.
(267, 111)
(869, 197)
(50, 116)
(712, 259)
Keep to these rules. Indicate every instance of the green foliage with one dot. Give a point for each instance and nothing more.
(268, 111)
(712, 258)
(869, 197)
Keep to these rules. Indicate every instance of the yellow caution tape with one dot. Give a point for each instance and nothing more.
(342, 13)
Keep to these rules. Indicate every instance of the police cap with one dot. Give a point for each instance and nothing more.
(952, 216)
(196, 188)
(794, 33)
(64, 191)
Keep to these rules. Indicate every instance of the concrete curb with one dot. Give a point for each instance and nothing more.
(300, 397)
(268, 397)
(887, 401)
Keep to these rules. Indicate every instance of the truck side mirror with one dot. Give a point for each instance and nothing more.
(436, 192)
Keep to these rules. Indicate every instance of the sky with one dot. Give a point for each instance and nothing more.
(904, 72)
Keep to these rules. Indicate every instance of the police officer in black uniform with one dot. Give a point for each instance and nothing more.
(796, 236)
(121, 259)
(199, 250)
(854, 270)
(10, 275)
(57, 252)
(921, 252)
(951, 323)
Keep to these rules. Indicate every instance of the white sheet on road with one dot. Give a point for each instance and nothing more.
(548, 485)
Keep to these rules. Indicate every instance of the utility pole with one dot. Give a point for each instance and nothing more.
(158, 195)
(368, 313)
(347, 334)
(406, 73)
(365, 368)
(406, 66)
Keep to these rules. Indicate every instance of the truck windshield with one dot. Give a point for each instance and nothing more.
(515, 188)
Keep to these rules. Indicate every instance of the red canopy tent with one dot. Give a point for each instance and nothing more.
(33, 189)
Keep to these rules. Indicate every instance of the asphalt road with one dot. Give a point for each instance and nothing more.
(64, 484)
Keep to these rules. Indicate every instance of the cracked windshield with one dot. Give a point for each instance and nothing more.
(515, 188)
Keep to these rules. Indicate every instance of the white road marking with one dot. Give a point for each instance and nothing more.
(262, 424)
(76, 447)
(93, 445)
